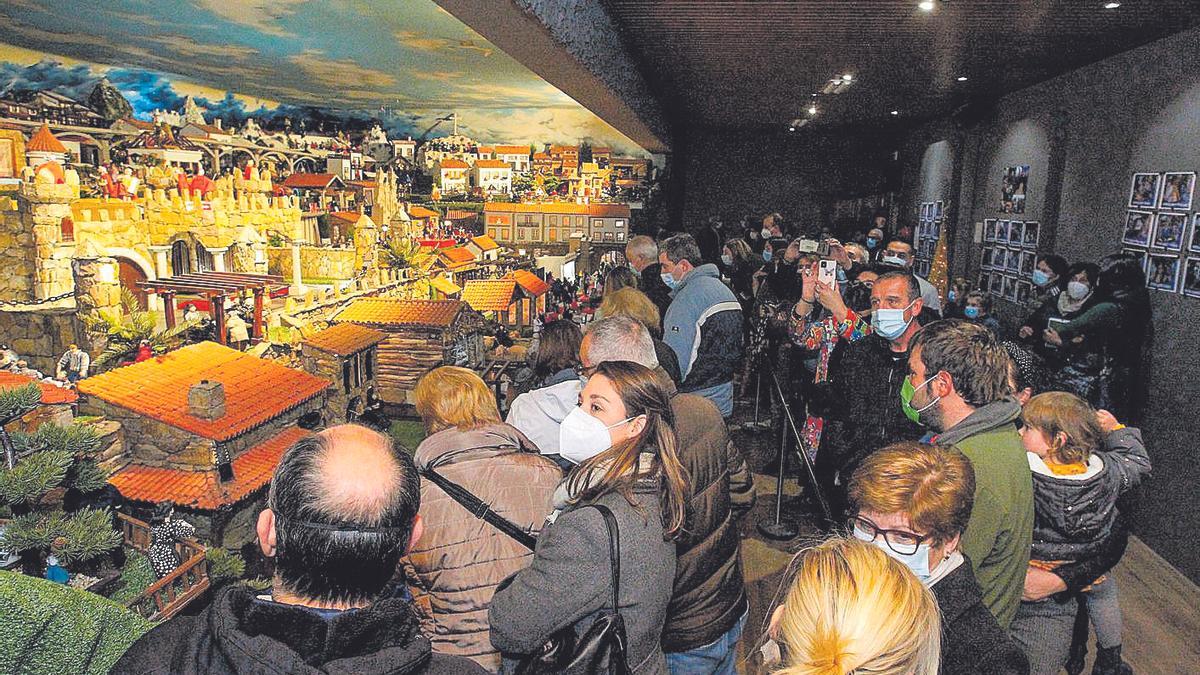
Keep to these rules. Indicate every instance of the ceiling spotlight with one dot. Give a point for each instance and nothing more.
(847, 77)
(1111, 5)
(812, 110)
(962, 78)
(895, 112)
(927, 6)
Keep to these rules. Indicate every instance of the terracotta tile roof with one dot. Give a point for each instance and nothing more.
(489, 295)
(485, 149)
(421, 212)
(396, 312)
(540, 155)
(492, 164)
(256, 390)
(363, 183)
(211, 129)
(345, 339)
(457, 255)
(530, 282)
(348, 216)
(556, 149)
(310, 180)
(252, 470)
(51, 394)
(596, 210)
(445, 285)
(512, 150)
(453, 163)
(139, 124)
(44, 141)
(485, 243)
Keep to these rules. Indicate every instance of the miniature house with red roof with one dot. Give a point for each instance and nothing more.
(346, 354)
(204, 427)
(421, 335)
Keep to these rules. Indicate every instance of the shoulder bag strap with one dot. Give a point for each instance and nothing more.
(614, 550)
(479, 509)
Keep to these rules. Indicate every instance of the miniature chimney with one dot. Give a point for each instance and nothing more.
(206, 400)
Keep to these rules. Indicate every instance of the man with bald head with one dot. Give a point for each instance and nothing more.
(341, 511)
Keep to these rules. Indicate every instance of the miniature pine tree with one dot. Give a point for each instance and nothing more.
(44, 463)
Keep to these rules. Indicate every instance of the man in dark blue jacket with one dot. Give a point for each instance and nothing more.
(703, 324)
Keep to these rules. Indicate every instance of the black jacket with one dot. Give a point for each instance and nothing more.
(241, 634)
(863, 402)
(972, 640)
(650, 282)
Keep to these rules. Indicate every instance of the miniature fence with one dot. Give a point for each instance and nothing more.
(167, 596)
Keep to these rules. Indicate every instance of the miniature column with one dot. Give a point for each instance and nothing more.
(169, 308)
(258, 314)
(218, 258)
(297, 278)
(218, 310)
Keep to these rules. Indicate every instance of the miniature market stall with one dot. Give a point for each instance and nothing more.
(421, 334)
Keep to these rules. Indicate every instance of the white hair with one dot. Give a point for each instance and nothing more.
(621, 338)
(643, 247)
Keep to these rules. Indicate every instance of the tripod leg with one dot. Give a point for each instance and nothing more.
(777, 528)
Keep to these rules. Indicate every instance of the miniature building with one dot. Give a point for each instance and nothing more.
(483, 247)
(458, 260)
(499, 297)
(492, 176)
(204, 427)
(517, 156)
(421, 334)
(555, 222)
(43, 147)
(451, 175)
(55, 405)
(318, 191)
(534, 289)
(345, 354)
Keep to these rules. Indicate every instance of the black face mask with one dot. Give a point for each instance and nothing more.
(858, 296)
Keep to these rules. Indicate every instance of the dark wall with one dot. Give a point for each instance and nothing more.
(1083, 135)
(734, 172)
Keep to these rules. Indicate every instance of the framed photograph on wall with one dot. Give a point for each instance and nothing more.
(1028, 260)
(1016, 233)
(1032, 233)
(1194, 243)
(1010, 288)
(1024, 290)
(1191, 278)
(1013, 264)
(1163, 272)
(985, 280)
(1013, 188)
(1138, 226)
(1144, 190)
(1169, 229)
(937, 209)
(1002, 231)
(985, 258)
(1139, 253)
(935, 228)
(1177, 189)
(989, 229)
(997, 284)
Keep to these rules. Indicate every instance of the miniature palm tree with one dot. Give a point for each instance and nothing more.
(125, 329)
(39, 467)
(400, 252)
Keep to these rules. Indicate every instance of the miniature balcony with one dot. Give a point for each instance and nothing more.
(167, 596)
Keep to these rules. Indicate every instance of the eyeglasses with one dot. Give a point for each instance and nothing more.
(904, 543)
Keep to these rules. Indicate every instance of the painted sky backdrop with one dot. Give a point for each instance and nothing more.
(405, 62)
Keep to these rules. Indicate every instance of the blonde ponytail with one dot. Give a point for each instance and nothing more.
(853, 609)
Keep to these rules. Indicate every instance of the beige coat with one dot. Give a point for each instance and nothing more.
(455, 567)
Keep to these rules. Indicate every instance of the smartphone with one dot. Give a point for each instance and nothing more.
(827, 272)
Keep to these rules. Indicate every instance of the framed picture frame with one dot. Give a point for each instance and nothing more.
(997, 284)
(1028, 260)
(1177, 190)
(1191, 278)
(1139, 253)
(989, 229)
(1162, 272)
(935, 228)
(985, 258)
(1010, 289)
(1013, 188)
(1194, 242)
(1169, 230)
(1033, 232)
(1014, 261)
(1016, 233)
(1139, 225)
(1024, 291)
(985, 280)
(937, 209)
(1002, 231)
(1144, 190)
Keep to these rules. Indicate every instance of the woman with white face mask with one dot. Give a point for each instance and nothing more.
(623, 434)
(913, 501)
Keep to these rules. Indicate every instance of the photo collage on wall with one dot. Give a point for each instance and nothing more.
(925, 239)
(1008, 258)
(1157, 230)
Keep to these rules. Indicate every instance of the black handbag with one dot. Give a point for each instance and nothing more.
(603, 648)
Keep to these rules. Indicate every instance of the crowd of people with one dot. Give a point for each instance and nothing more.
(975, 489)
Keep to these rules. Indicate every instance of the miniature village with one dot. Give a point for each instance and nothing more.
(182, 301)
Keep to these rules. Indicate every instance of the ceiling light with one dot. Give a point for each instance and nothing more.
(847, 77)
(962, 78)
(1111, 5)
(927, 6)
(812, 110)
(895, 112)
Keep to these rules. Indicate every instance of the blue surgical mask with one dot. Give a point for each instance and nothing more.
(669, 280)
(917, 561)
(890, 323)
(971, 312)
(893, 260)
(872, 242)
(1040, 278)
(766, 256)
(727, 260)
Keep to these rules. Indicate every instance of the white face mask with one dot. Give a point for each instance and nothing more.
(581, 436)
(1078, 290)
(766, 233)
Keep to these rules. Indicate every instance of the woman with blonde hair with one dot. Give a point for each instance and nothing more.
(853, 609)
(625, 424)
(454, 568)
(637, 305)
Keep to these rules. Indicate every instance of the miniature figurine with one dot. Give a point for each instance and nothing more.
(167, 531)
(74, 364)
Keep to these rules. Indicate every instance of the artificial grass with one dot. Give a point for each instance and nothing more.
(408, 434)
(52, 629)
(136, 577)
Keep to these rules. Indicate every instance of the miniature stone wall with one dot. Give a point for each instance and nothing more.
(315, 262)
(150, 442)
(40, 336)
(329, 366)
(19, 255)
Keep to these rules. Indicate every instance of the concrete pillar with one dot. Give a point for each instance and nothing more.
(297, 278)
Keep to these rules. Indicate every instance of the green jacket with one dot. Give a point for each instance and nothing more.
(1000, 531)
